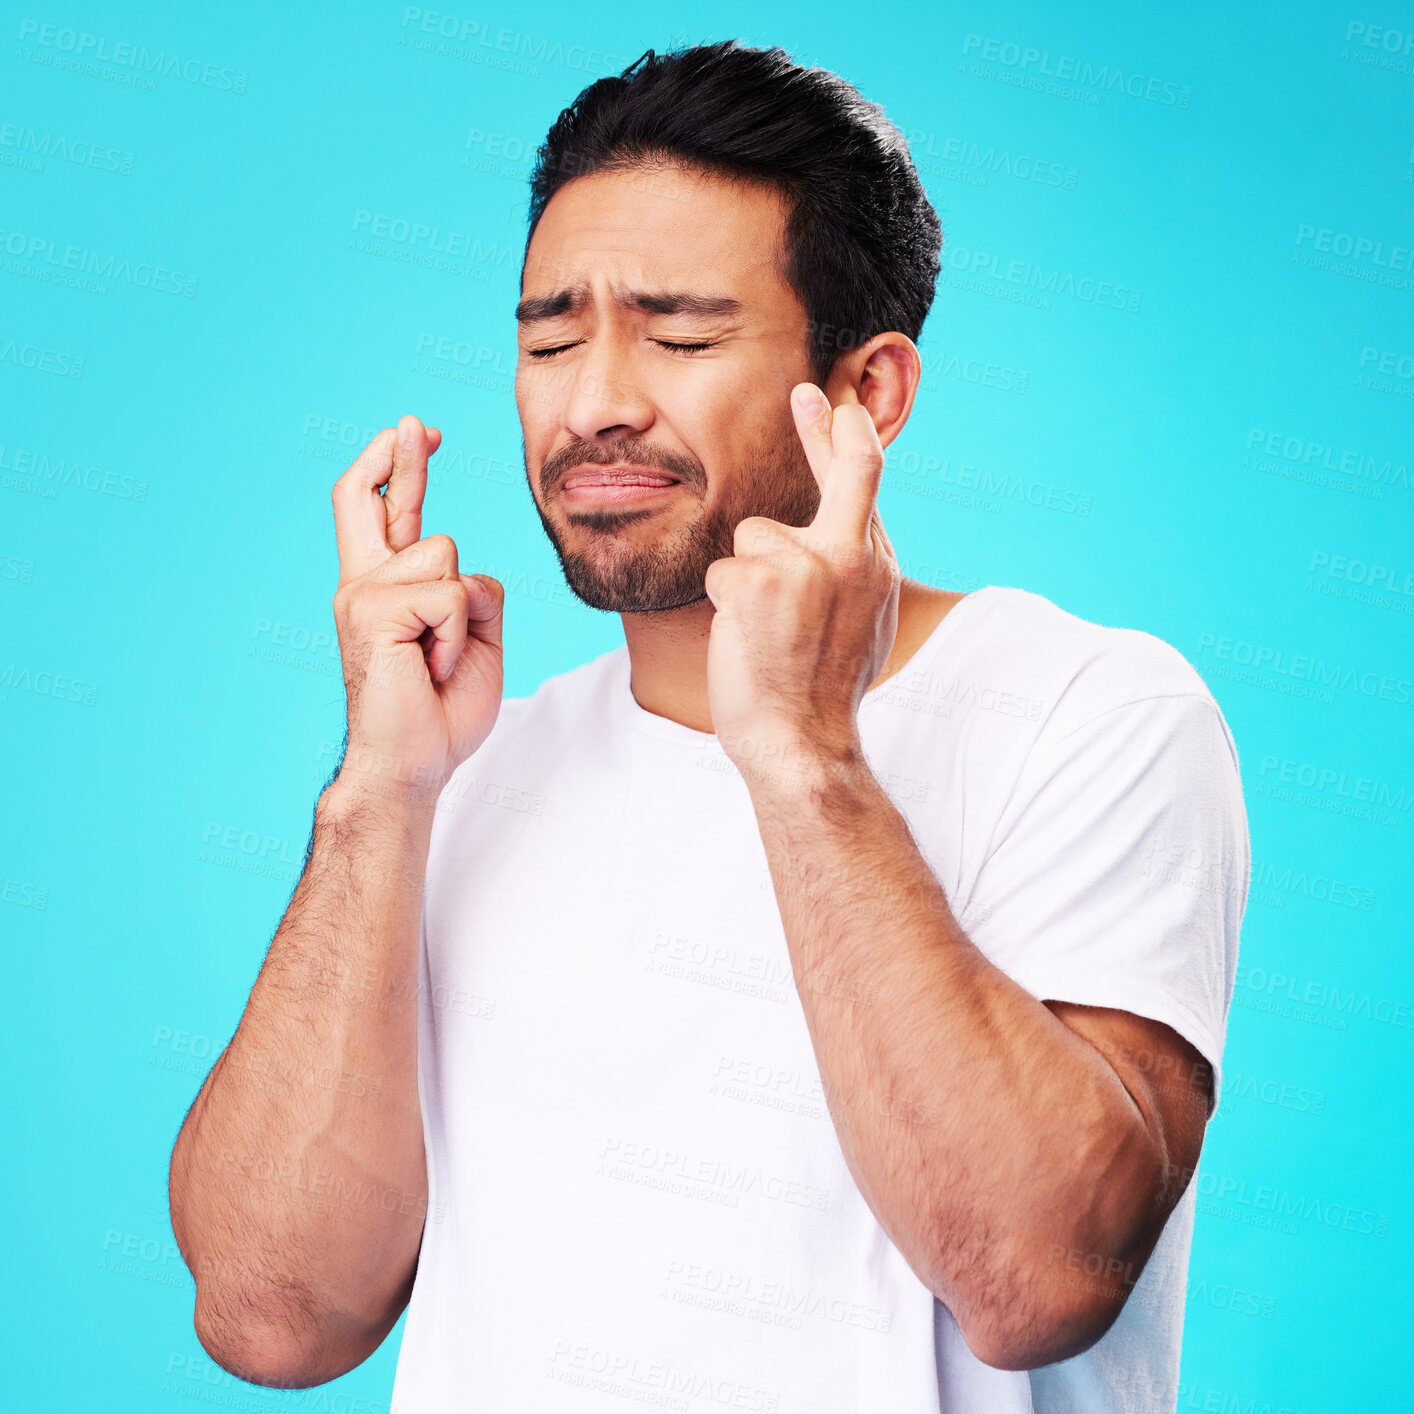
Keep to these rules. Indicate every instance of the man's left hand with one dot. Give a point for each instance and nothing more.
(806, 615)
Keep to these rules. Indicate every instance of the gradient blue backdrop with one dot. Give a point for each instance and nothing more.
(1169, 383)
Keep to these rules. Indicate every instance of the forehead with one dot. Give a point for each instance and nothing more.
(663, 226)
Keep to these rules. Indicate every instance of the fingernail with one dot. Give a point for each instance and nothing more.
(405, 433)
(811, 400)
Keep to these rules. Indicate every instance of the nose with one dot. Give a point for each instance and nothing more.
(605, 393)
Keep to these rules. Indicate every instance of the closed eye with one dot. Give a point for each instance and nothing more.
(689, 349)
(683, 348)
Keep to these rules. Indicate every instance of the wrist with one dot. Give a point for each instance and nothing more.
(801, 767)
(399, 799)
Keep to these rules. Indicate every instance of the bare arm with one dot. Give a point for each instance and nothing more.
(298, 1182)
(1005, 1145)
(1023, 1156)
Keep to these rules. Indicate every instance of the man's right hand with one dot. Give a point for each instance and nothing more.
(421, 642)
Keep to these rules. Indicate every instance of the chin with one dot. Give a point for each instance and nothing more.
(634, 599)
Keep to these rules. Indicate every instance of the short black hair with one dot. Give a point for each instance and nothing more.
(862, 240)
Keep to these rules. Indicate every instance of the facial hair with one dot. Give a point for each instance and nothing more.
(621, 576)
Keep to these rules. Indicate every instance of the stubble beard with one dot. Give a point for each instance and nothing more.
(621, 576)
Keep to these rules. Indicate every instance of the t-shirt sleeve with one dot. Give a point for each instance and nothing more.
(1118, 872)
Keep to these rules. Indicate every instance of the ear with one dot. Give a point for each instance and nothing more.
(882, 375)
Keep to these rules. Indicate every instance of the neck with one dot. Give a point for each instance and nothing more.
(668, 651)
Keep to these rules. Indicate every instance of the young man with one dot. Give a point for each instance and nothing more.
(814, 1004)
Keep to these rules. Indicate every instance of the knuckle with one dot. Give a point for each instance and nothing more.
(752, 533)
(433, 593)
(416, 558)
(344, 599)
(375, 444)
(722, 573)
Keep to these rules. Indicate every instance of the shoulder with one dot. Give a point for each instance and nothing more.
(1084, 664)
(1082, 669)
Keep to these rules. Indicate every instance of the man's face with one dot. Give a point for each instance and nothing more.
(642, 457)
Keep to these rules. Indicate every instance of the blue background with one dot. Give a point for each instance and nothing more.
(168, 671)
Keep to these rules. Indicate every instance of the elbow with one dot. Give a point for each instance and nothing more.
(1037, 1336)
(285, 1334)
(1061, 1287)
(1049, 1306)
(262, 1346)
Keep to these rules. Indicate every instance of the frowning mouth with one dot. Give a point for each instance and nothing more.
(617, 475)
(608, 485)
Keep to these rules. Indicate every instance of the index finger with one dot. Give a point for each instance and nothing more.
(856, 468)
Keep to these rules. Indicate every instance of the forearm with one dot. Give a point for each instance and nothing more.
(983, 1132)
(298, 1181)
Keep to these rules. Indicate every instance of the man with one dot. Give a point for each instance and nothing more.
(815, 1003)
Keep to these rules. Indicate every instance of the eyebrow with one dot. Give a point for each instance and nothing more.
(540, 307)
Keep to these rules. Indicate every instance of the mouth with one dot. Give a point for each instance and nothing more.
(610, 485)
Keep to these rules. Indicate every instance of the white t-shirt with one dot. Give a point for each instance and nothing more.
(636, 1193)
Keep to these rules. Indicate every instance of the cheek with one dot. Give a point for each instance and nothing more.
(763, 443)
(530, 398)
(539, 416)
(541, 387)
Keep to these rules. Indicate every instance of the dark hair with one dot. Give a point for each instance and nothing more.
(862, 239)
